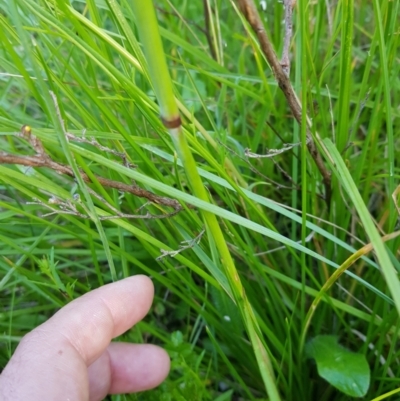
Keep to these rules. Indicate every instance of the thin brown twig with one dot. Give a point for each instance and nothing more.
(42, 159)
(250, 12)
(120, 214)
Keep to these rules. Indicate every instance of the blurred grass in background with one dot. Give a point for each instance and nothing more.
(284, 239)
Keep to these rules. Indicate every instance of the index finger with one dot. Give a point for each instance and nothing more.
(52, 360)
(90, 322)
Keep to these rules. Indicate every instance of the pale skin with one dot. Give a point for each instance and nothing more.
(70, 357)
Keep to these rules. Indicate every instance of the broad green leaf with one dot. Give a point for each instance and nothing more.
(347, 371)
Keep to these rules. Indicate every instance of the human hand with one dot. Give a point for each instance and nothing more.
(69, 357)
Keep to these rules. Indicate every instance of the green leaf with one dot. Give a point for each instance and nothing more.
(347, 371)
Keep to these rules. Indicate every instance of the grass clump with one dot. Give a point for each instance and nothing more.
(232, 217)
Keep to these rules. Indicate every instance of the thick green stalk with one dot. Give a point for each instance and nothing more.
(146, 22)
(158, 71)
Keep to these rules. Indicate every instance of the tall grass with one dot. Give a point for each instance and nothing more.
(80, 76)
